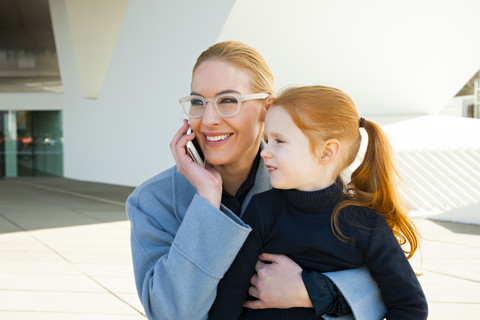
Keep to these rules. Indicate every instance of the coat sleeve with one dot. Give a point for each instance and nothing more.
(233, 288)
(361, 292)
(179, 258)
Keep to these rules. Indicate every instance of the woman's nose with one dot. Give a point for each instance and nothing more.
(210, 115)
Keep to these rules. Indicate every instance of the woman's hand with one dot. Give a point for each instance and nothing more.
(278, 284)
(207, 181)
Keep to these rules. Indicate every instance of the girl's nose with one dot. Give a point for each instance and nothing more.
(266, 153)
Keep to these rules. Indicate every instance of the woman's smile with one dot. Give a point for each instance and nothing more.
(211, 137)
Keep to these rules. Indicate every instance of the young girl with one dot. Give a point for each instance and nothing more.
(313, 134)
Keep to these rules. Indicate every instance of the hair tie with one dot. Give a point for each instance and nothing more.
(362, 122)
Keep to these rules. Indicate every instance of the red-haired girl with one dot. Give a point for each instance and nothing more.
(313, 135)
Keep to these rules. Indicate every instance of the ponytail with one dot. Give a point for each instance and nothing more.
(373, 185)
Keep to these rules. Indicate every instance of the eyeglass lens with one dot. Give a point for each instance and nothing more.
(226, 106)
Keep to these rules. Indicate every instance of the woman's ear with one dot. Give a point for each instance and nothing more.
(329, 150)
(266, 106)
(263, 112)
(269, 100)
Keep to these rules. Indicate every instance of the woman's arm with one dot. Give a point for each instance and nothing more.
(182, 241)
(178, 264)
(277, 284)
(360, 291)
(232, 290)
(280, 285)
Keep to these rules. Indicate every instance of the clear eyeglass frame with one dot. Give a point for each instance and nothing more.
(186, 103)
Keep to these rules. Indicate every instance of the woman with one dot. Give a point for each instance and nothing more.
(186, 226)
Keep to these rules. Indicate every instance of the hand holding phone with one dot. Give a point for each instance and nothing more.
(194, 150)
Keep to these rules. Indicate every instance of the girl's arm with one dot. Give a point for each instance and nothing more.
(398, 283)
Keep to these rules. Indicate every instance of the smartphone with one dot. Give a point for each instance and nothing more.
(194, 150)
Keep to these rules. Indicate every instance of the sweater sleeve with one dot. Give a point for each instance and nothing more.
(179, 262)
(398, 283)
(233, 288)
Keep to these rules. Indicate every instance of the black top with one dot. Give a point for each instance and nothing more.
(297, 224)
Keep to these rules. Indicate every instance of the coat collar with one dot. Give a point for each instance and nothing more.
(262, 181)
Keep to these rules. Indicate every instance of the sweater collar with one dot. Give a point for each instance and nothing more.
(319, 201)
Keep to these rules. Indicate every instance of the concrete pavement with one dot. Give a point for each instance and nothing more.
(65, 254)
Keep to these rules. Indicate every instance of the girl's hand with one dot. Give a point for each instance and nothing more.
(207, 181)
(278, 284)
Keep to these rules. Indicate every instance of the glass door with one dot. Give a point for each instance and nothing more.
(32, 143)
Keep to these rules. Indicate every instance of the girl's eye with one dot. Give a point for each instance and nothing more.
(273, 140)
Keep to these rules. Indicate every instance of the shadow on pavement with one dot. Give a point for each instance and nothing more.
(46, 202)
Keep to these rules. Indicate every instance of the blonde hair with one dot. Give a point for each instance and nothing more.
(324, 113)
(243, 56)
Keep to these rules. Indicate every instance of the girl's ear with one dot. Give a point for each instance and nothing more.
(329, 150)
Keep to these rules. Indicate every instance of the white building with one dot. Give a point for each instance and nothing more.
(124, 64)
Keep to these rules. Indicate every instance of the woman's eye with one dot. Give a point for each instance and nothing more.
(228, 100)
(196, 102)
(279, 140)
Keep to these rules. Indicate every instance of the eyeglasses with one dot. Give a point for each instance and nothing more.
(226, 104)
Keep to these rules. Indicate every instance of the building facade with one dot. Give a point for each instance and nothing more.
(124, 64)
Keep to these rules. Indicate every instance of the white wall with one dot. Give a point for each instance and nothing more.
(406, 57)
(438, 160)
(94, 27)
(392, 57)
(123, 136)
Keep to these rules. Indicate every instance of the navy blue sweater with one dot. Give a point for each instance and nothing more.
(298, 224)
